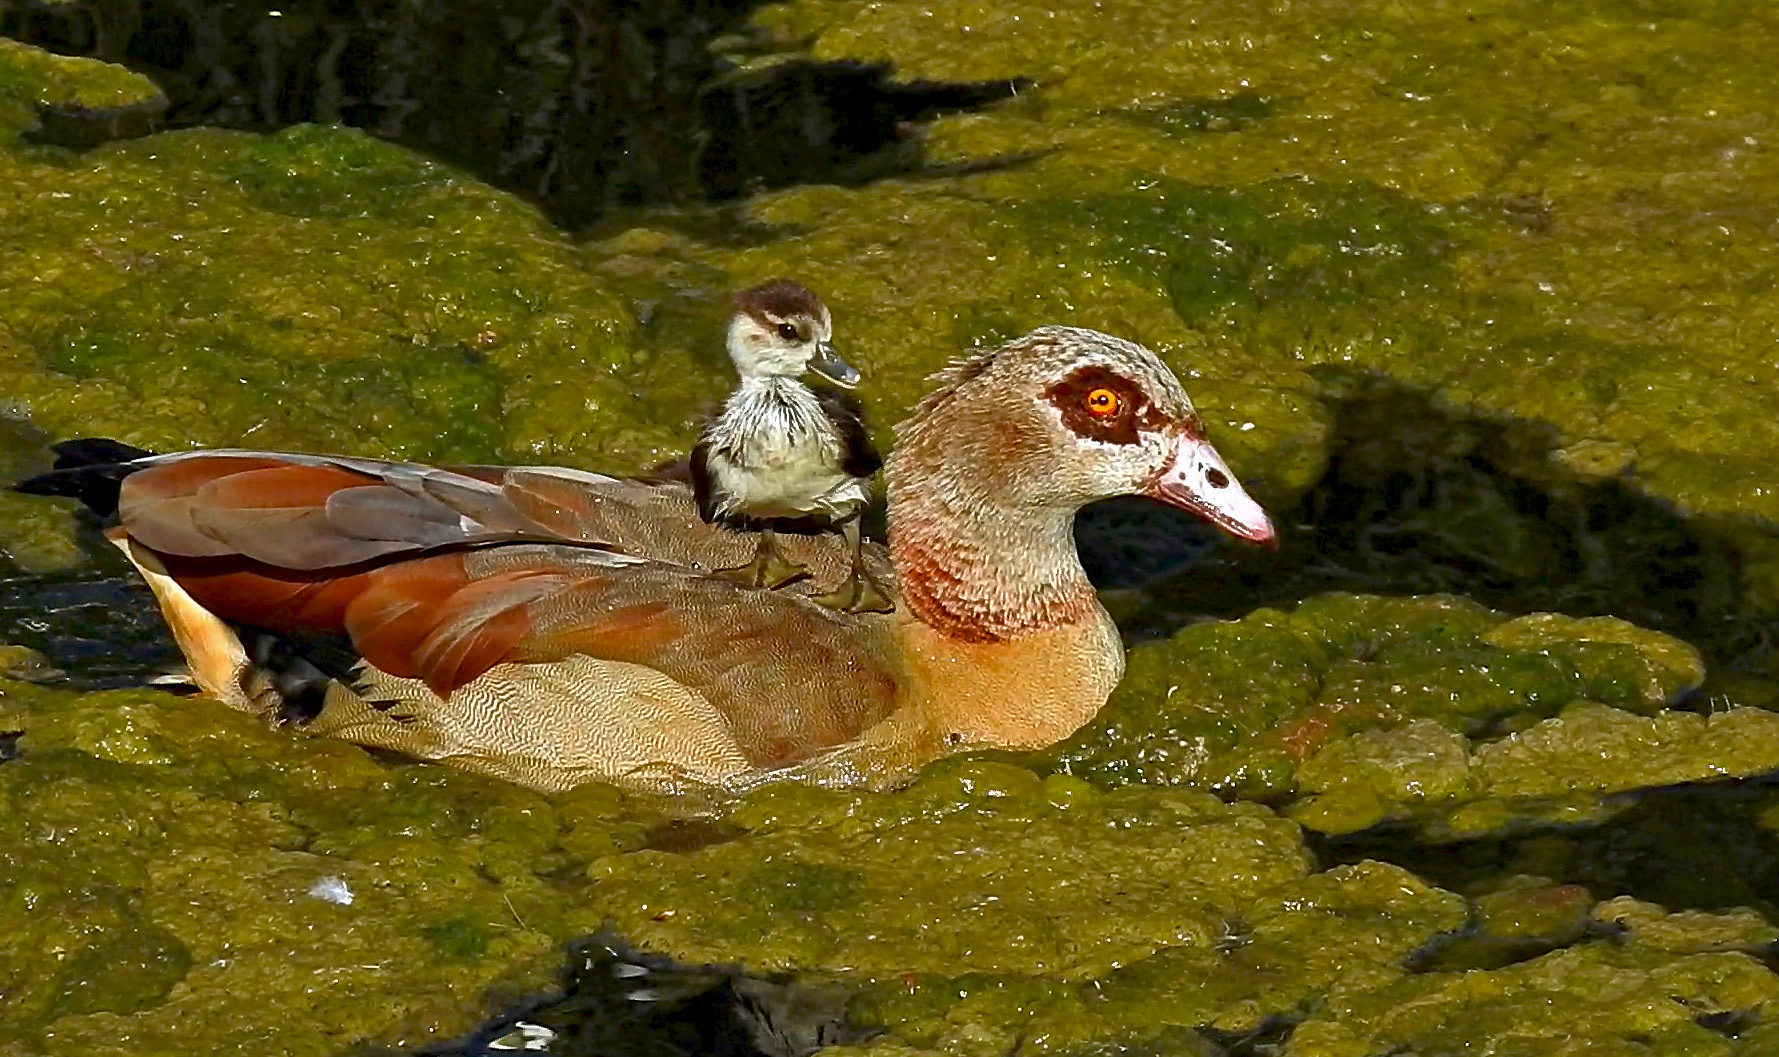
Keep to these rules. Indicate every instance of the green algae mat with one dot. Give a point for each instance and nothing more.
(180, 879)
(1557, 216)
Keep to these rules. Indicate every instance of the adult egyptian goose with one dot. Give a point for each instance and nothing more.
(552, 626)
(788, 451)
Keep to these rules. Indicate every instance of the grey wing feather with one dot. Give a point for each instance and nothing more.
(295, 538)
(388, 514)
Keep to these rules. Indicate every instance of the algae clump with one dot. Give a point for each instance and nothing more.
(1588, 1000)
(35, 84)
(1240, 705)
(179, 879)
(985, 903)
(313, 289)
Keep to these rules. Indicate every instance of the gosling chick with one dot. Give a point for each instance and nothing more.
(784, 450)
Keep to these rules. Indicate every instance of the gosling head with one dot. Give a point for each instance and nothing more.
(781, 329)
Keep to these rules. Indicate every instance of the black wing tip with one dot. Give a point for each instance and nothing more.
(90, 469)
(95, 451)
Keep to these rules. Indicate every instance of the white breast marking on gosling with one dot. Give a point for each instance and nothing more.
(774, 453)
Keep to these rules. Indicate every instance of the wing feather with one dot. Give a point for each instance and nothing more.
(480, 626)
(260, 505)
(156, 504)
(397, 607)
(302, 512)
(789, 676)
(248, 593)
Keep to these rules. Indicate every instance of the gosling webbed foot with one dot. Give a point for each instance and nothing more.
(858, 593)
(768, 569)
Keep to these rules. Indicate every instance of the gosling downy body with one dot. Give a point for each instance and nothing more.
(785, 451)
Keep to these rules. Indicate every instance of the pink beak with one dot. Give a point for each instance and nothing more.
(1197, 479)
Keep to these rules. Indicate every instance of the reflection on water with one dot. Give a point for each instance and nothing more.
(618, 1001)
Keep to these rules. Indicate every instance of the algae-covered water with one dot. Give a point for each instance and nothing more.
(1481, 298)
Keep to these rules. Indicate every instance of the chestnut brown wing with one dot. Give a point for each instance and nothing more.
(442, 575)
(788, 676)
(306, 512)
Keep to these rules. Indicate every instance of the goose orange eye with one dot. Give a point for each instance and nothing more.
(1102, 402)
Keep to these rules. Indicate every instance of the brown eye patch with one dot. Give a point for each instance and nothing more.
(1099, 404)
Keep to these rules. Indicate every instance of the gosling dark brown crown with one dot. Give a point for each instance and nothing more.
(777, 300)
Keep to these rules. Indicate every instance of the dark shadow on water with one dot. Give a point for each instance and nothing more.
(1267, 1040)
(99, 628)
(580, 105)
(1418, 500)
(619, 1002)
(1693, 847)
(103, 634)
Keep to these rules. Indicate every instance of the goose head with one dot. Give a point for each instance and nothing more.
(1065, 416)
(989, 470)
(781, 329)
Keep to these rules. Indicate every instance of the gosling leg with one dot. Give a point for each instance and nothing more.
(859, 593)
(769, 569)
